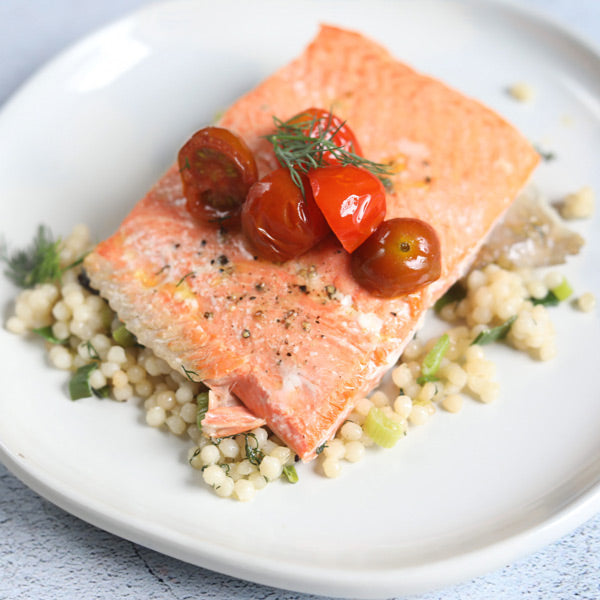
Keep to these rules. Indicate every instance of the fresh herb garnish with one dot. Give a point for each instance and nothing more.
(455, 293)
(162, 269)
(190, 274)
(320, 449)
(300, 146)
(79, 386)
(426, 379)
(253, 453)
(545, 154)
(39, 263)
(76, 262)
(92, 352)
(188, 373)
(48, 335)
(202, 402)
(193, 456)
(494, 334)
(290, 473)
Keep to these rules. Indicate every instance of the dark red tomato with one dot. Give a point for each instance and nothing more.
(318, 123)
(278, 221)
(401, 256)
(217, 170)
(351, 199)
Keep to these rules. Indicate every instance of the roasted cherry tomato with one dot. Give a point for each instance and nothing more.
(322, 123)
(401, 256)
(217, 170)
(278, 221)
(351, 199)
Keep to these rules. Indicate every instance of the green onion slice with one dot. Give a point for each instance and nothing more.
(103, 392)
(384, 431)
(124, 337)
(563, 290)
(46, 333)
(455, 292)
(202, 402)
(433, 359)
(494, 334)
(290, 472)
(79, 385)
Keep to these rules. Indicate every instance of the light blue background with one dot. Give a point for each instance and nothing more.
(46, 553)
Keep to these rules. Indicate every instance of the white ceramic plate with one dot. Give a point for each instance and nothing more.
(84, 140)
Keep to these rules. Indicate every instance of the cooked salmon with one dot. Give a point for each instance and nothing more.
(294, 345)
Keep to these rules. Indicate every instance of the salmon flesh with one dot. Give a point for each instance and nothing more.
(295, 345)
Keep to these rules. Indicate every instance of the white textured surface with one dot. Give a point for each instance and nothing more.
(46, 553)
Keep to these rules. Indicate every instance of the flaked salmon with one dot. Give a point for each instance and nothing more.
(296, 344)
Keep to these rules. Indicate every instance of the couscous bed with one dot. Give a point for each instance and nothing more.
(85, 338)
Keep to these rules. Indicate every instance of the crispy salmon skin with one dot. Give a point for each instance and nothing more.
(296, 344)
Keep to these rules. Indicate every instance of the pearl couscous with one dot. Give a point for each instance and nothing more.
(578, 205)
(82, 332)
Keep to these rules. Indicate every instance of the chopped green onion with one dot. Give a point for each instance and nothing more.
(202, 402)
(384, 431)
(79, 386)
(433, 359)
(454, 293)
(76, 262)
(103, 392)
(563, 290)
(290, 472)
(549, 299)
(124, 337)
(46, 333)
(427, 378)
(494, 334)
(38, 263)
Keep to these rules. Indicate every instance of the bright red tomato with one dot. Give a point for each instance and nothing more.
(217, 170)
(401, 257)
(321, 123)
(278, 221)
(352, 201)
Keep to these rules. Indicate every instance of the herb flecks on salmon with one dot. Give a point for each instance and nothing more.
(302, 381)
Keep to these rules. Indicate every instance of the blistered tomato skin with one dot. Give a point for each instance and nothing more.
(352, 201)
(217, 169)
(402, 256)
(278, 222)
(319, 123)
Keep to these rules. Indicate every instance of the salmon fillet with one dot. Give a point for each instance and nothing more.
(296, 344)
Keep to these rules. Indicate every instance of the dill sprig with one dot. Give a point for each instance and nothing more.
(38, 263)
(300, 146)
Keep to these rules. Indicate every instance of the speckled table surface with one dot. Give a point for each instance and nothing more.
(46, 553)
